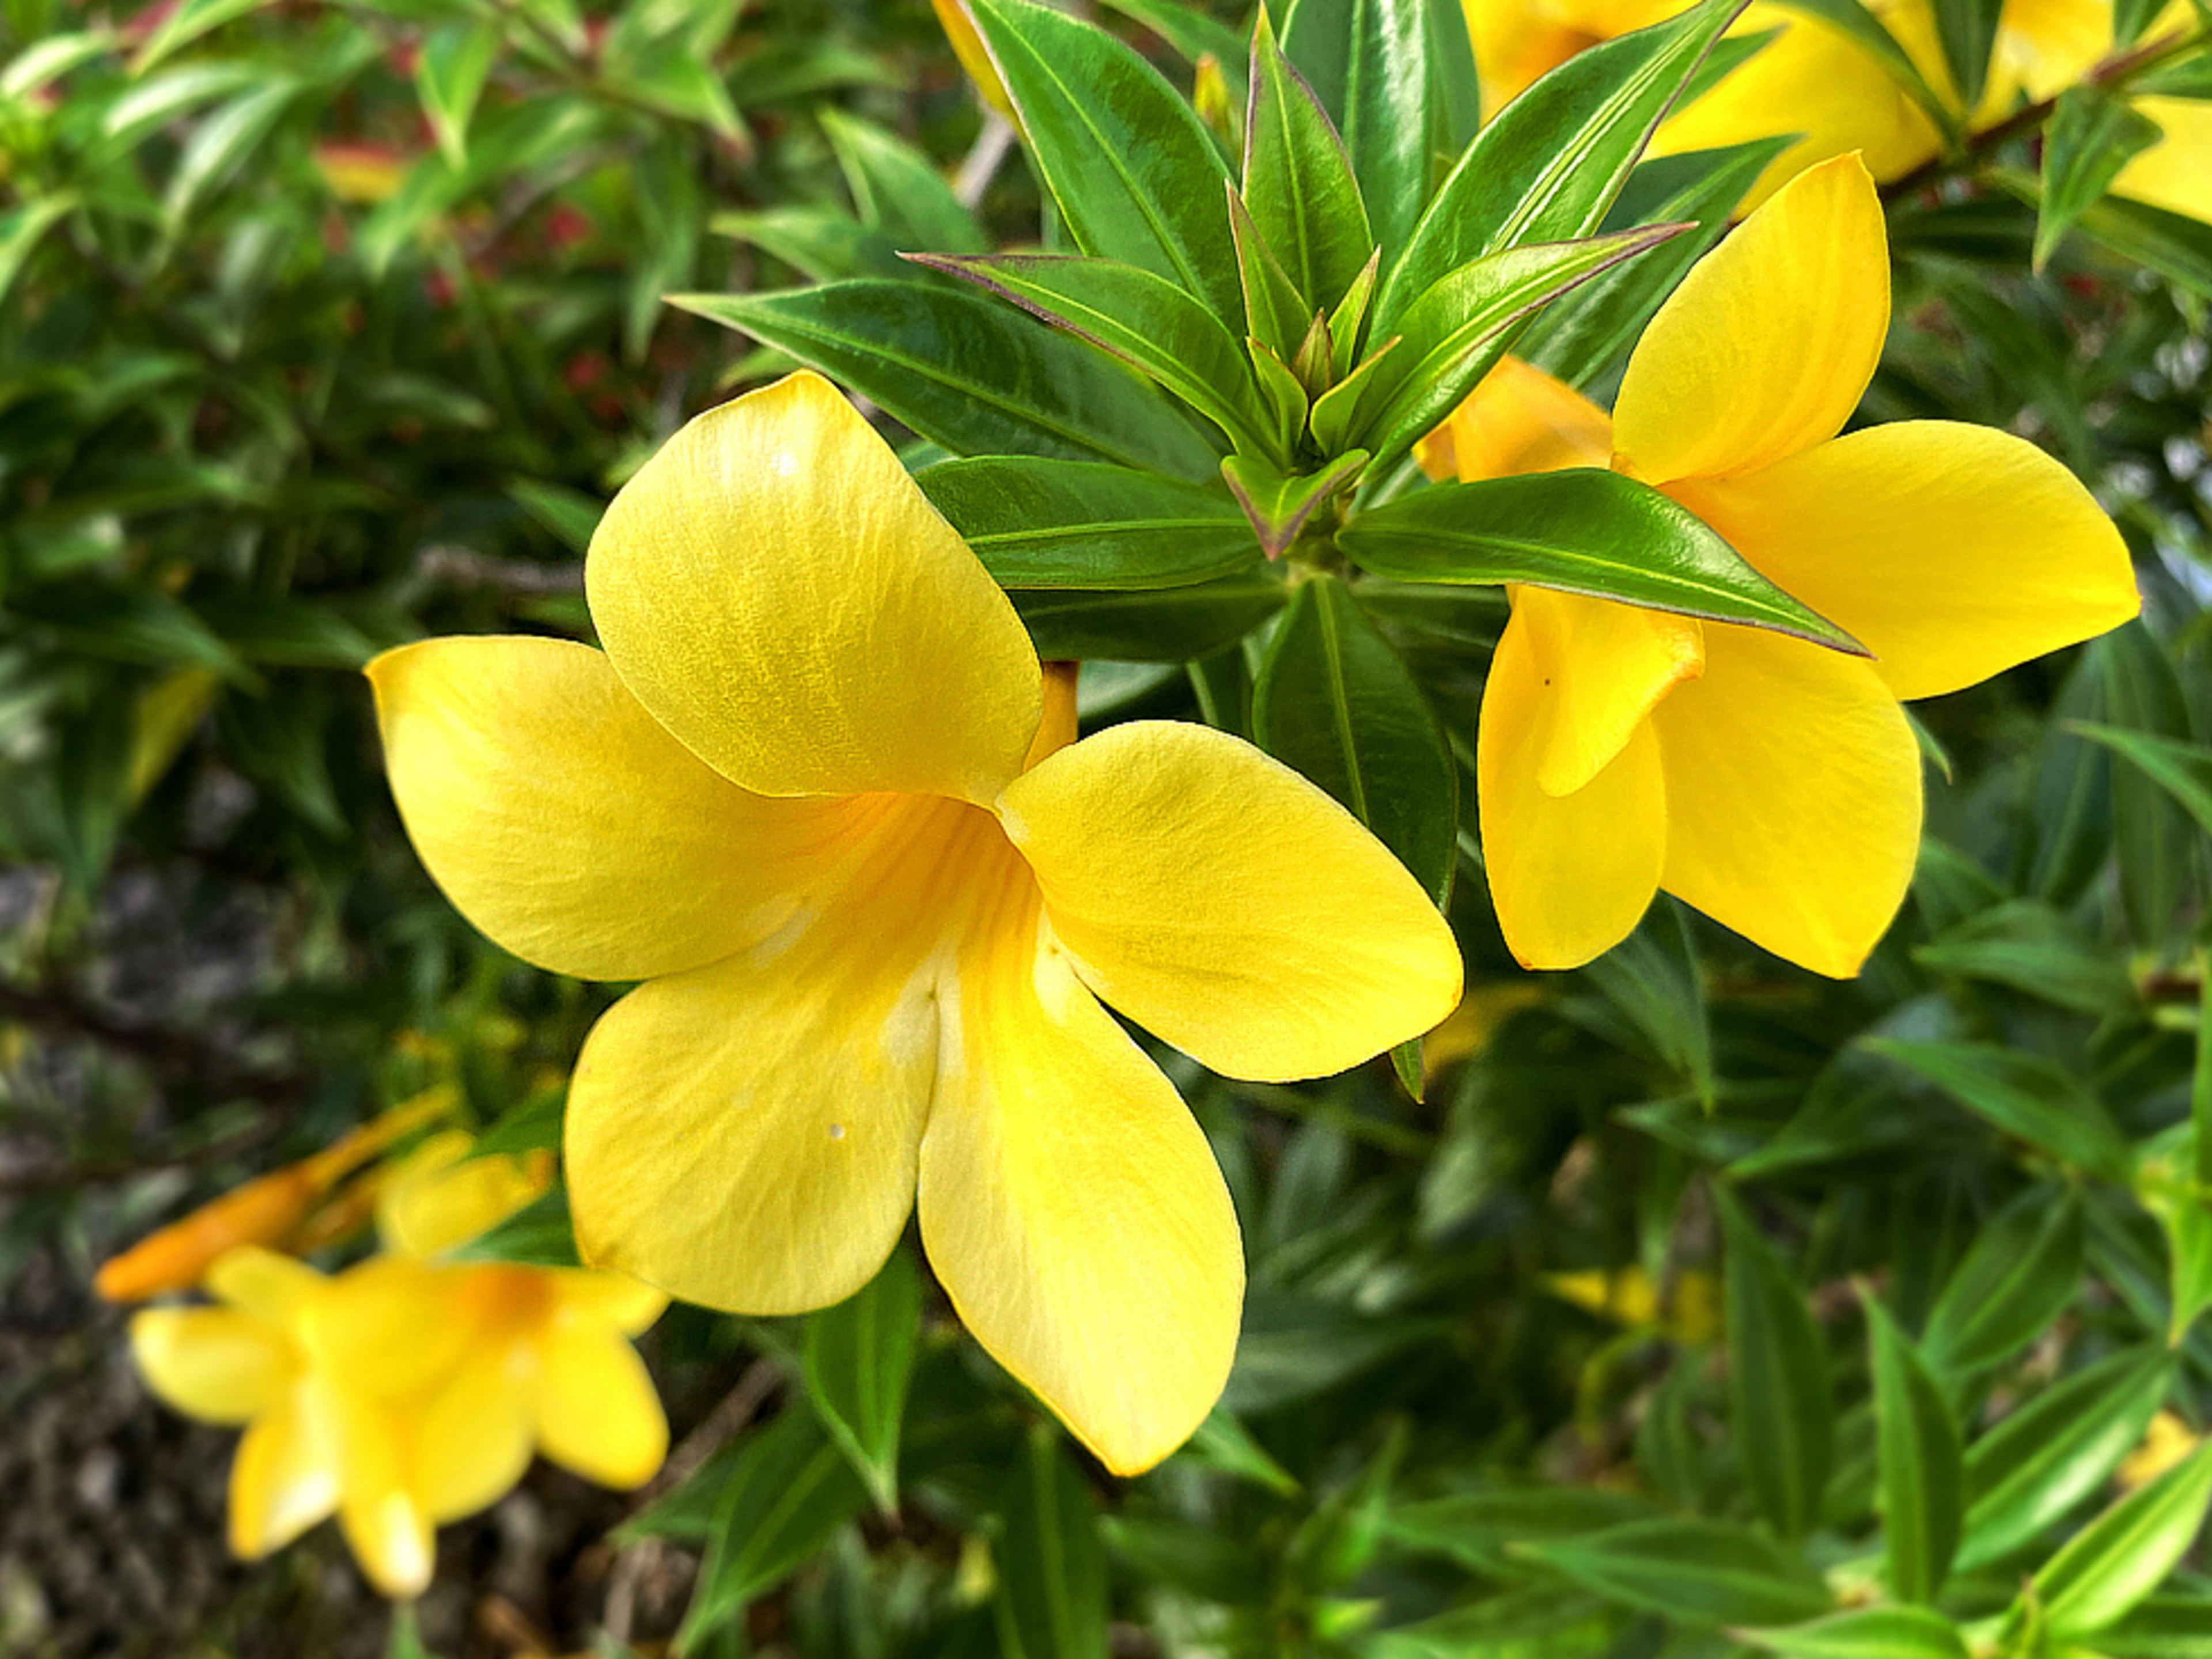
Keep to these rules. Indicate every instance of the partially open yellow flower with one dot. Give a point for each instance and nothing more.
(405, 1392)
(1812, 79)
(818, 794)
(1771, 783)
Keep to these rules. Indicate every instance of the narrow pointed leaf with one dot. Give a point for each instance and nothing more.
(1145, 320)
(1274, 311)
(898, 190)
(1701, 1572)
(450, 72)
(1298, 181)
(1081, 524)
(1336, 410)
(1280, 390)
(1582, 531)
(2164, 1627)
(1277, 507)
(2024, 1270)
(1334, 700)
(1864, 1633)
(2090, 137)
(2125, 1554)
(1967, 32)
(1136, 175)
(2031, 946)
(858, 1359)
(1548, 166)
(969, 372)
(1052, 1568)
(1918, 1460)
(2024, 1475)
(1780, 1408)
(2023, 1095)
(1372, 64)
(1349, 319)
(2183, 769)
(2157, 851)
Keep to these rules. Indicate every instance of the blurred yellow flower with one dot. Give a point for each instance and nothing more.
(817, 793)
(1770, 783)
(1691, 1311)
(405, 1391)
(1812, 79)
(2164, 1444)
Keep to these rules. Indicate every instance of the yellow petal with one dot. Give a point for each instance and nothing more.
(1601, 668)
(383, 1520)
(562, 820)
(1569, 875)
(270, 1287)
(1517, 419)
(2176, 173)
(1793, 797)
(215, 1363)
(434, 1199)
(1763, 348)
(1812, 79)
(473, 1433)
(284, 1478)
(776, 590)
(2044, 46)
(616, 1298)
(1951, 551)
(968, 46)
(1072, 1211)
(1226, 904)
(598, 1414)
(388, 1327)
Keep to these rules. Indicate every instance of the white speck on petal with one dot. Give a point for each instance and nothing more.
(836, 1132)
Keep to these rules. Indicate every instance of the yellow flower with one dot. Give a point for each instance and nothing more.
(1813, 80)
(403, 1392)
(818, 795)
(1770, 783)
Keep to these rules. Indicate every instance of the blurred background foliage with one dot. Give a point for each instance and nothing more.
(1700, 1296)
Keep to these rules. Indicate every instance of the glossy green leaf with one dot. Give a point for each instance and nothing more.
(2090, 137)
(1550, 164)
(1967, 32)
(1083, 524)
(1145, 320)
(823, 244)
(1165, 625)
(1781, 1410)
(969, 372)
(1298, 181)
(1136, 176)
(1373, 67)
(897, 190)
(1187, 29)
(1698, 1571)
(858, 1359)
(782, 1496)
(2022, 1095)
(2156, 847)
(1275, 313)
(2125, 1554)
(1582, 531)
(1455, 332)
(1277, 507)
(2163, 1627)
(2030, 946)
(1052, 1570)
(2183, 769)
(450, 73)
(1918, 1460)
(1334, 700)
(1591, 328)
(2023, 1271)
(1865, 1633)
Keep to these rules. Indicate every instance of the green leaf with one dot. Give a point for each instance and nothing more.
(539, 1234)
(1198, 1560)
(1538, 1622)
(1145, 320)
(1188, 29)
(2184, 771)
(20, 229)
(858, 1360)
(1336, 701)
(783, 1495)
(898, 190)
(1277, 507)
(190, 20)
(1052, 1572)
(1279, 389)
(2177, 247)
(2022, 1095)
(2143, 693)
(2125, 1554)
(1084, 524)
(129, 624)
(1780, 1408)
(823, 244)
(1222, 1443)
(1967, 32)
(1275, 313)
(1549, 164)
(277, 631)
(2030, 946)
(450, 72)
(1918, 1462)
(1702, 1572)
(2090, 137)
(1171, 624)
(965, 371)
(1865, 1633)
(1859, 25)
(1298, 182)
(2163, 1627)
(1586, 330)
(219, 145)
(1582, 531)
(1455, 332)
(2024, 1270)
(1373, 66)
(44, 62)
(1477, 1528)
(532, 1125)
(2025, 1474)
(1136, 175)
(1350, 316)
(569, 515)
